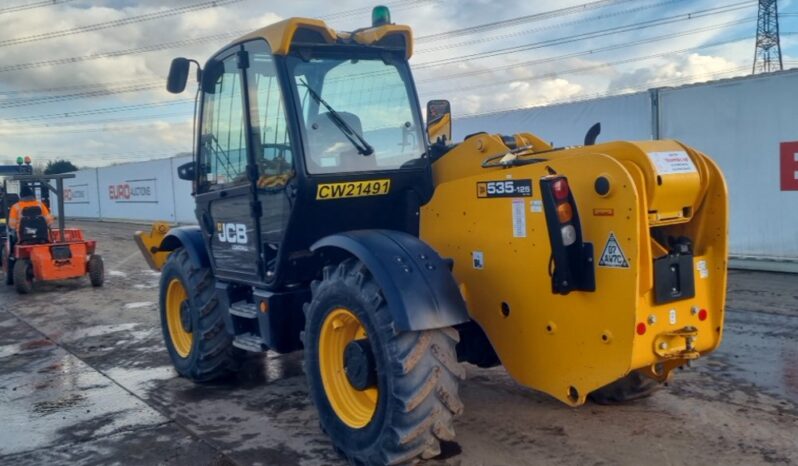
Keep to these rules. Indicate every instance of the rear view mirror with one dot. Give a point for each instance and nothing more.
(439, 121)
(187, 171)
(178, 75)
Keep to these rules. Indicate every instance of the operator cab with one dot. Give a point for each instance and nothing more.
(304, 132)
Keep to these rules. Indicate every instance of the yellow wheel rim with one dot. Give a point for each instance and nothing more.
(181, 339)
(354, 407)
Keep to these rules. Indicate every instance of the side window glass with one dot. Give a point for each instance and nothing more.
(223, 144)
(270, 138)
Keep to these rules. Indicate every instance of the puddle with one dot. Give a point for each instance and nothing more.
(139, 305)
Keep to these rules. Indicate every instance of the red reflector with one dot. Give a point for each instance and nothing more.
(702, 315)
(641, 328)
(560, 189)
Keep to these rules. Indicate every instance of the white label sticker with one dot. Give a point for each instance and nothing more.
(477, 260)
(613, 256)
(519, 219)
(669, 163)
(703, 270)
(536, 206)
(672, 317)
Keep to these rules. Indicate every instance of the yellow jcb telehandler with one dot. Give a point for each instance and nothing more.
(330, 221)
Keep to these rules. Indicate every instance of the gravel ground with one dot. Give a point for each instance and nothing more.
(85, 379)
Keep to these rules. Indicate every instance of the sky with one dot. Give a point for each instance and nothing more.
(83, 96)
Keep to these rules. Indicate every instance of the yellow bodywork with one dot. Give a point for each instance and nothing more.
(149, 242)
(571, 345)
(284, 35)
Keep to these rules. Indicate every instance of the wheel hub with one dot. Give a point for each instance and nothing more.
(185, 316)
(361, 371)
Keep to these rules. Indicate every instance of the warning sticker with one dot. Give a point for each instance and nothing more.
(613, 256)
(478, 260)
(703, 270)
(536, 206)
(669, 163)
(519, 219)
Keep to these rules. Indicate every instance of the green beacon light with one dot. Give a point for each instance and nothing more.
(380, 16)
(20, 160)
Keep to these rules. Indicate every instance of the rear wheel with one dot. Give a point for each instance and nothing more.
(23, 276)
(383, 397)
(96, 270)
(192, 321)
(8, 266)
(632, 387)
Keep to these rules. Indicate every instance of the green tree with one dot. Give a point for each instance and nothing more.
(55, 167)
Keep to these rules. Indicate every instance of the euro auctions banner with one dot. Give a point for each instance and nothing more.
(137, 191)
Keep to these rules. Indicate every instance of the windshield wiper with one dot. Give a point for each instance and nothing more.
(362, 146)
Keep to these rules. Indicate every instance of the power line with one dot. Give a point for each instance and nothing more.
(541, 61)
(119, 53)
(98, 111)
(549, 27)
(589, 35)
(30, 6)
(520, 20)
(82, 95)
(118, 22)
(555, 74)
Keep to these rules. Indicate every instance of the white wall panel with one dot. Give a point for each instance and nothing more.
(81, 198)
(740, 124)
(621, 117)
(137, 191)
(184, 202)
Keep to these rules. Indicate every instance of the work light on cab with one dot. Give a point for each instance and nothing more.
(380, 16)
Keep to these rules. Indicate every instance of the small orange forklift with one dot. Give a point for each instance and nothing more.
(35, 252)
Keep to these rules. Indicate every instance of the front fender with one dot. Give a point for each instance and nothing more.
(189, 238)
(416, 282)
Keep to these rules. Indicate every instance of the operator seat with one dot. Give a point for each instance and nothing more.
(33, 227)
(330, 149)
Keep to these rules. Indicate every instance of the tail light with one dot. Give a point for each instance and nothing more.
(571, 258)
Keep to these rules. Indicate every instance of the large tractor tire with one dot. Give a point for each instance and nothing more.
(96, 270)
(192, 321)
(383, 397)
(632, 387)
(23, 276)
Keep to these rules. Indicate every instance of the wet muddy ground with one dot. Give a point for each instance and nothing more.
(85, 379)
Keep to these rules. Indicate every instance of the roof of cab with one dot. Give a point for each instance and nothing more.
(283, 35)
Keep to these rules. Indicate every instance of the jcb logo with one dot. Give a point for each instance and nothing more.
(235, 233)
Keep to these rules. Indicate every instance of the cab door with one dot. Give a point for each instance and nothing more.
(272, 150)
(226, 202)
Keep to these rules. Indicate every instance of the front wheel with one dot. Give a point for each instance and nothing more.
(23, 276)
(192, 321)
(383, 397)
(96, 270)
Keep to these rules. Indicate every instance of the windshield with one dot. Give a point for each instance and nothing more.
(367, 95)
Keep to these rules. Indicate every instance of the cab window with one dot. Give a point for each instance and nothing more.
(223, 142)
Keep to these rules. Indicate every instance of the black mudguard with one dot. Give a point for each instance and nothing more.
(415, 281)
(189, 238)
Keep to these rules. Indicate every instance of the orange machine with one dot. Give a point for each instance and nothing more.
(34, 252)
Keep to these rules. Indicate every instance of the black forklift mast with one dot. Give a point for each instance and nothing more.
(41, 181)
(11, 170)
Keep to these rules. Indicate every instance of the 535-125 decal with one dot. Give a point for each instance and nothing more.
(504, 188)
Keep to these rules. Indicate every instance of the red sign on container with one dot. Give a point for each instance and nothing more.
(789, 166)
